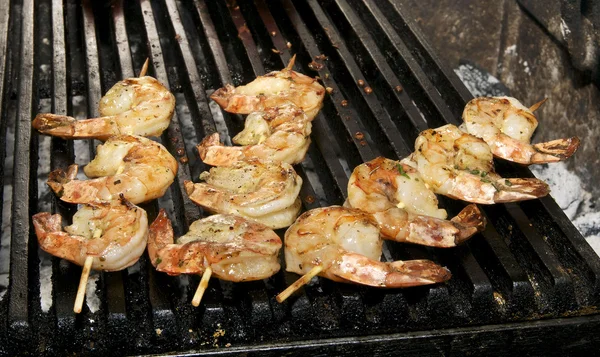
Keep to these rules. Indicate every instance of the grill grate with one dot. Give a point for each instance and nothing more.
(528, 279)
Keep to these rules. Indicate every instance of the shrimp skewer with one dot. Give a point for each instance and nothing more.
(507, 126)
(273, 90)
(461, 166)
(106, 236)
(233, 248)
(137, 167)
(346, 244)
(405, 208)
(136, 106)
(266, 192)
(279, 133)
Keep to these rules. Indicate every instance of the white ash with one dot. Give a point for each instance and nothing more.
(478, 82)
(92, 300)
(577, 203)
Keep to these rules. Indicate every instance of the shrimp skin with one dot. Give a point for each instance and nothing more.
(114, 234)
(460, 165)
(137, 106)
(272, 90)
(235, 249)
(346, 242)
(507, 126)
(405, 208)
(135, 166)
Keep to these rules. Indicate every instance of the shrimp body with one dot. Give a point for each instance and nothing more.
(137, 167)
(136, 106)
(460, 165)
(405, 208)
(507, 126)
(346, 242)
(113, 233)
(264, 191)
(273, 90)
(278, 133)
(236, 249)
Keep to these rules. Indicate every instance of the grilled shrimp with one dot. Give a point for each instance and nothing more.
(136, 106)
(137, 167)
(263, 191)
(278, 133)
(234, 248)
(461, 166)
(273, 90)
(346, 242)
(113, 233)
(507, 126)
(406, 210)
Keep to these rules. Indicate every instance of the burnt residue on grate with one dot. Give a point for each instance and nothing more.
(529, 273)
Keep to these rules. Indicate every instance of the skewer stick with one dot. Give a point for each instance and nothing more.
(304, 279)
(85, 274)
(202, 286)
(144, 68)
(536, 106)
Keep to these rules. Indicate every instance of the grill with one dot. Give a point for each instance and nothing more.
(529, 282)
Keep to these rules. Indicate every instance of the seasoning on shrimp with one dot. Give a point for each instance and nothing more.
(227, 246)
(272, 90)
(344, 245)
(506, 126)
(280, 133)
(405, 208)
(137, 106)
(263, 191)
(113, 233)
(461, 166)
(137, 167)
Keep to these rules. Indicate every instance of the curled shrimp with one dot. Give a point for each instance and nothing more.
(461, 166)
(279, 133)
(137, 167)
(507, 126)
(405, 208)
(263, 191)
(273, 90)
(113, 233)
(346, 242)
(234, 248)
(136, 106)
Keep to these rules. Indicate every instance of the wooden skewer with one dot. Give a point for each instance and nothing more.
(536, 106)
(85, 274)
(144, 68)
(202, 286)
(304, 279)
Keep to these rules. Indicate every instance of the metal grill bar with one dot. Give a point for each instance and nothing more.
(18, 311)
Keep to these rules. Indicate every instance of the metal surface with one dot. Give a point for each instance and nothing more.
(529, 273)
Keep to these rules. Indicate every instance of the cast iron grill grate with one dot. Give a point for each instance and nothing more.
(530, 278)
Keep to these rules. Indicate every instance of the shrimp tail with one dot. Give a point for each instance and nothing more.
(160, 234)
(44, 223)
(555, 150)
(519, 189)
(231, 102)
(416, 272)
(213, 152)
(58, 178)
(357, 268)
(53, 124)
(398, 225)
(67, 127)
(468, 221)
